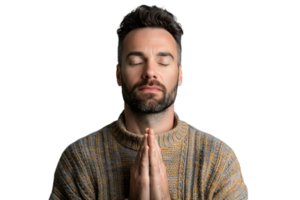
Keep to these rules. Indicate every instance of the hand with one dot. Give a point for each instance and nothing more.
(139, 173)
(159, 187)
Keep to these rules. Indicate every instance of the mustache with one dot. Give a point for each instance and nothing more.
(151, 83)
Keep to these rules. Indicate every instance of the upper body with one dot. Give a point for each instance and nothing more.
(198, 165)
(169, 158)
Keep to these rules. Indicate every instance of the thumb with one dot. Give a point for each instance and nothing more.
(146, 130)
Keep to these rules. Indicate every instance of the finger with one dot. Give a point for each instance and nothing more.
(146, 130)
(144, 163)
(137, 160)
(154, 161)
(138, 155)
(151, 141)
(158, 149)
(155, 144)
(141, 146)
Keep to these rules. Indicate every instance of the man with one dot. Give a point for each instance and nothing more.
(149, 153)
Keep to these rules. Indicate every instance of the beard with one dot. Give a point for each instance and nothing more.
(146, 103)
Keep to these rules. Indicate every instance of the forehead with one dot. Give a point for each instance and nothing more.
(149, 40)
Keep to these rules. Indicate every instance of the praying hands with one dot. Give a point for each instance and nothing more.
(148, 177)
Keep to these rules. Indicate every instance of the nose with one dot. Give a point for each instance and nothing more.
(150, 70)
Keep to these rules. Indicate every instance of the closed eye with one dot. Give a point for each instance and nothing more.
(134, 64)
(141, 63)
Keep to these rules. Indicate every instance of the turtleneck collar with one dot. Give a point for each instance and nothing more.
(165, 139)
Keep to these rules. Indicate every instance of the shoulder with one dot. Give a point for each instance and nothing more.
(220, 161)
(210, 147)
(208, 139)
(83, 144)
(84, 141)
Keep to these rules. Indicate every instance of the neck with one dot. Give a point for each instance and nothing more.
(159, 122)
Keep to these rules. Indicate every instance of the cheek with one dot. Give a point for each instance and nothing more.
(131, 76)
(174, 82)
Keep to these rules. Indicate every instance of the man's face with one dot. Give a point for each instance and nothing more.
(149, 75)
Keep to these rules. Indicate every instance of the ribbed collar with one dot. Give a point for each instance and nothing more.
(132, 140)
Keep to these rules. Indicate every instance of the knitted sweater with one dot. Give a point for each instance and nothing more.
(199, 166)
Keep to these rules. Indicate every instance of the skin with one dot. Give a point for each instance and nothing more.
(145, 109)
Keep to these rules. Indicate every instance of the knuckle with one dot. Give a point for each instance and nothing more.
(142, 180)
(132, 170)
(140, 152)
(143, 163)
(144, 184)
(140, 147)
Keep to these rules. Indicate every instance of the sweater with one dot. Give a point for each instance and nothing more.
(198, 165)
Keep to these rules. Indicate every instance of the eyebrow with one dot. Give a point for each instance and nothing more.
(138, 53)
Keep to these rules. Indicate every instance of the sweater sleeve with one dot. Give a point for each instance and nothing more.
(71, 179)
(230, 183)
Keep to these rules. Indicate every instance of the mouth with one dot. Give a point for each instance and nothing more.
(149, 90)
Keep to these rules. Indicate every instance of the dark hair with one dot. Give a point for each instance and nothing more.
(145, 16)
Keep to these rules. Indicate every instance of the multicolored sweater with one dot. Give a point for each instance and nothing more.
(199, 166)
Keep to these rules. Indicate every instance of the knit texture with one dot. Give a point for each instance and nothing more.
(199, 166)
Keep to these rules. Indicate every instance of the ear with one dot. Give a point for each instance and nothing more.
(118, 74)
(180, 76)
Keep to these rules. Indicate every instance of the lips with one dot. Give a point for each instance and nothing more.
(150, 88)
